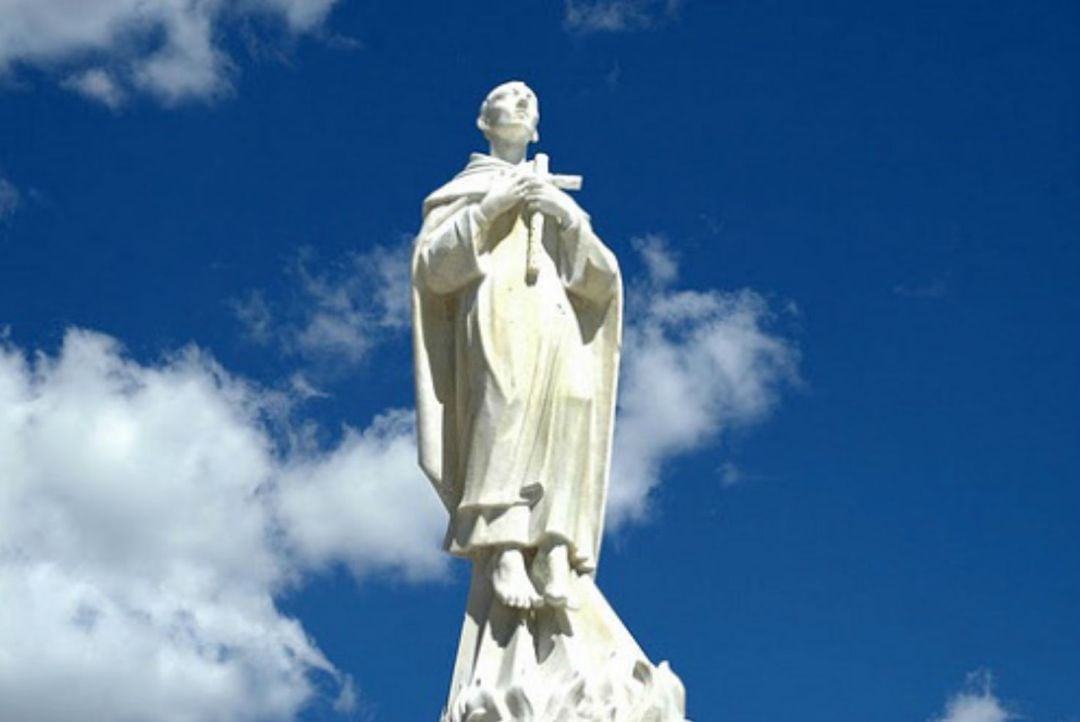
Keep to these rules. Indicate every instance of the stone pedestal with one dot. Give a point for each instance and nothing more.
(555, 665)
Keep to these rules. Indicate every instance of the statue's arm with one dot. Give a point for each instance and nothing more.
(588, 267)
(448, 253)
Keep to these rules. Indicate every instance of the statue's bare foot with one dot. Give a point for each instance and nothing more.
(556, 576)
(512, 584)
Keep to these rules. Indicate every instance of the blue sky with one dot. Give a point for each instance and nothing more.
(846, 479)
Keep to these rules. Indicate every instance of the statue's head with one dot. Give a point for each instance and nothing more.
(510, 112)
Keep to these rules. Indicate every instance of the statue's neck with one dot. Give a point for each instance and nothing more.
(509, 151)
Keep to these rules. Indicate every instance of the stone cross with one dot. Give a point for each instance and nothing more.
(541, 162)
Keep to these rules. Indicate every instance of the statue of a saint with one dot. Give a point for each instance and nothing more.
(517, 377)
(517, 320)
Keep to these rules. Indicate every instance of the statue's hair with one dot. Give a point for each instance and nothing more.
(481, 118)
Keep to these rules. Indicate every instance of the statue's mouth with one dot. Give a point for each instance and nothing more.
(520, 120)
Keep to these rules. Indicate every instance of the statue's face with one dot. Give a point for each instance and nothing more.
(511, 112)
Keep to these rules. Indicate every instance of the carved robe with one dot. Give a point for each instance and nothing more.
(515, 381)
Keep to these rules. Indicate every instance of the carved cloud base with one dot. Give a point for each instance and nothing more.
(552, 665)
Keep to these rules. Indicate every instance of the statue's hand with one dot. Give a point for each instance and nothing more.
(549, 200)
(506, 191)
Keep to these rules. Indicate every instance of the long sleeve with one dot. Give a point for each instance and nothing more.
(449, 255)
(588, 268)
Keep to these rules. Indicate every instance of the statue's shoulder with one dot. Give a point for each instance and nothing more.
(472, 181)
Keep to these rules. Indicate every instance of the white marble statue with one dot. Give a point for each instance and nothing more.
(517, 309)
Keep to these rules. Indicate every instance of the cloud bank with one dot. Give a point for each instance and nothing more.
(148, 517)
(107, 50)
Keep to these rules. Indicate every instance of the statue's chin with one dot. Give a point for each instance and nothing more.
(512, 133)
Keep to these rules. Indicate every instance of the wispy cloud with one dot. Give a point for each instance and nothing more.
(107, 50)
(349, 305)
(149, 516)
(253, 313)
(10, 199)
(661, 262)
(975, 703)
(96, 84)
(695, 363)
(593, 16)
(340, 310)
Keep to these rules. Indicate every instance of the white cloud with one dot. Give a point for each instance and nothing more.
(168, 48)
(587, 16)
(977, 703)
(147, 520)
(10, 199)
(694, 364)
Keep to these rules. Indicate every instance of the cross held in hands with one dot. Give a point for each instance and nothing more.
(541, 164)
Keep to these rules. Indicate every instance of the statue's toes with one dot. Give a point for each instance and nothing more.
(528, 599)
